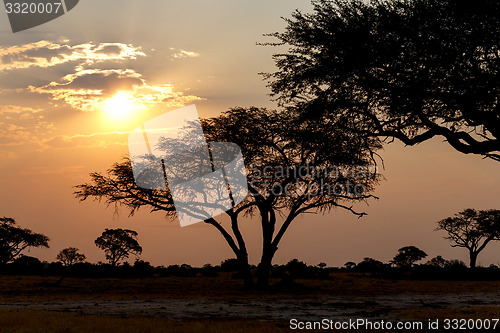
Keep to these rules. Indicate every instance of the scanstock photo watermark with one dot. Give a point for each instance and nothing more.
(312, 180)
(454, 324)
(27, 14)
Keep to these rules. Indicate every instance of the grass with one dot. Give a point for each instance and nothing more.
(31, 288)
(42, 322)
(43, 289)
(482, 312)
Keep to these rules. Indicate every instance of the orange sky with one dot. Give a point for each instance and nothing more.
(57, 124)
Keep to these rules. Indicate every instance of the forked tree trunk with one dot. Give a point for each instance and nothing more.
(264, 268)
(473, 258)
(245, 272)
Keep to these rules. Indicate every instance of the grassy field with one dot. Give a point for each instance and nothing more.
(41, 322)
(37, 289)
(19, 288)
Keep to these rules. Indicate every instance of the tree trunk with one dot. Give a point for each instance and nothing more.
(264, 268)
(245, 272)
(473, 258)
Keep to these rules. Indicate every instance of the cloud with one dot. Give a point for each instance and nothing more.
(93, 140)
(24, 111)
(48, 54)
(88, 89)
(180, 53)
(19, 125)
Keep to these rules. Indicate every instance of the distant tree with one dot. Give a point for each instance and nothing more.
(230, 265)
(472, 229)
(407, 256)
(24, 260)
(350, 265)
(70, 256)
(143, 268)
(118, 244)
(322, 265)
(275, 146)
(14, 240)
(209, 271)
(439, 262)
(404, 69)
(370, 265)
(298, 269)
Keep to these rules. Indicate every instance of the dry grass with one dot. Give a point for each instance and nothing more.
(42, 322)
(483, 312)
(31, 288)
(222, 288)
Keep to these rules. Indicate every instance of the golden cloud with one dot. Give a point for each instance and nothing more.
(180, 53)
(88, 89)
(48, 54)
(93, 140)
(19, 125)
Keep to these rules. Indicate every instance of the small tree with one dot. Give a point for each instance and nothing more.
(70, 256)
(472, 230)
(350, 265)
(438, 262)
(118, 244)
(407, 256)
(14, 240)
(370, 265)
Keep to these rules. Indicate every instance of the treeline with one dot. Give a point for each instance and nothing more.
(437, 268)
(470, 229)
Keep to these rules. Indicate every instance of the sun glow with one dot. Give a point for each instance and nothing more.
(121, 106)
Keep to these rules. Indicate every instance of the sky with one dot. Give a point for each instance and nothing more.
(71, 91)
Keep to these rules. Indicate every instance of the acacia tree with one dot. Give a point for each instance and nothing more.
(405, 69)
(473, 230)
(118, 244)
(14, 240)
(275, 145)
(70, 256)
(407, 256)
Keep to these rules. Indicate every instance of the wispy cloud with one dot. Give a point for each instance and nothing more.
(88, 89)
(19, 125)
(93, 140)
(48, 54)
(180, 53)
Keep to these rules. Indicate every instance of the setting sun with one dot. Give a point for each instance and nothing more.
(120, 106)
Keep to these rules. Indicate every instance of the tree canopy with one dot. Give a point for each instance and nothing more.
(293, 167)
(405, 69)
(407, 256)
(118, 244)
(472, 229)
(14, 240)
(70, 256)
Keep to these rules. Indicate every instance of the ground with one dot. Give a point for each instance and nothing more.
(215, 304)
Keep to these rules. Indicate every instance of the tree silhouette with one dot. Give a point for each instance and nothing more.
(350, 265)
(274, 145)
(407, 256)
(405, 69)
(472, 229)
(70, 256)
(118, 244)
(14, 240)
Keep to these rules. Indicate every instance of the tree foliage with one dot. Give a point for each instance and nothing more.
(405, 69)
(118, 244)
(14, 240)
(472, 229)
(70, 256)
(407, 256)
